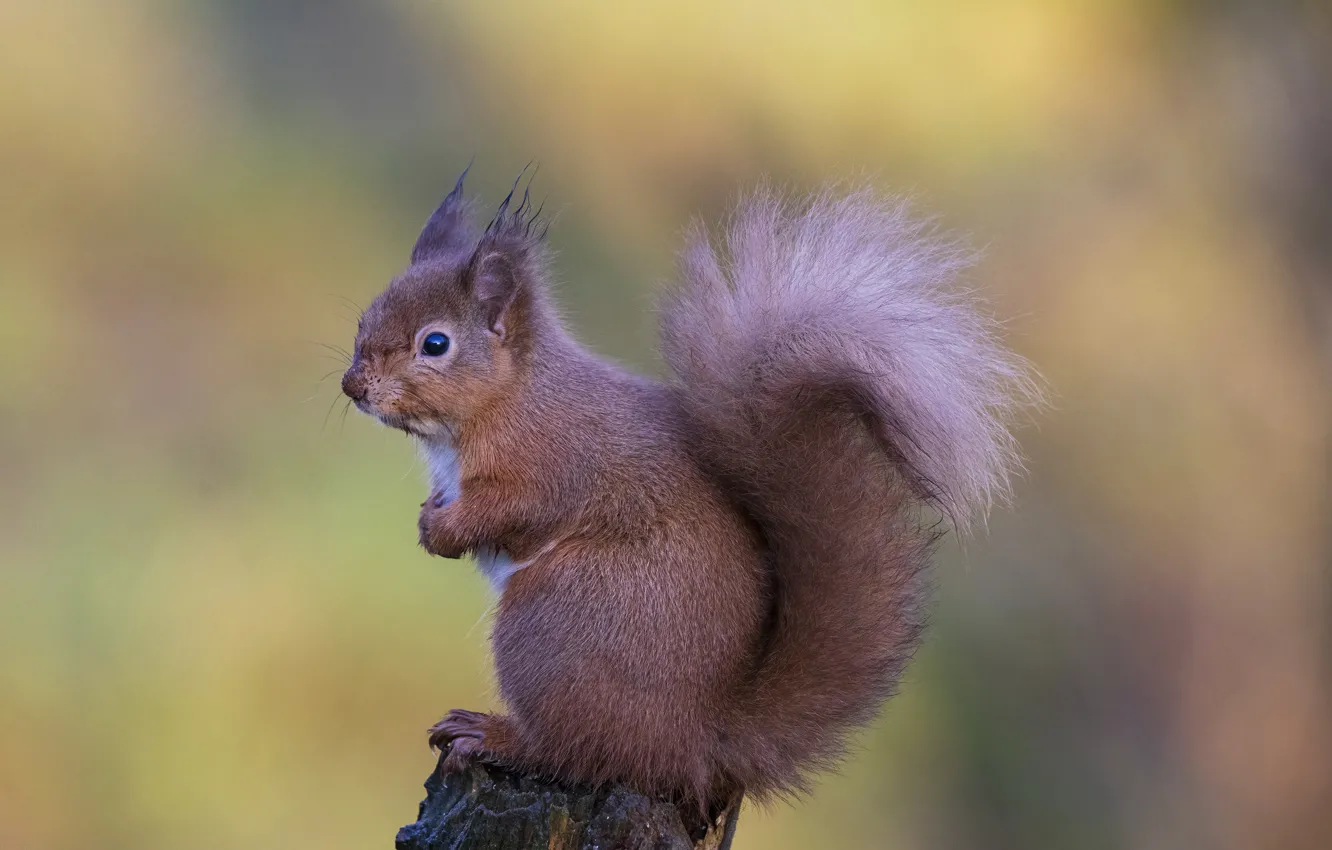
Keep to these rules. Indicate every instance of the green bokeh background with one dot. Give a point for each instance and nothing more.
(216, 630)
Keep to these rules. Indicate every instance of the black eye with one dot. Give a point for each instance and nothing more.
(434, 344)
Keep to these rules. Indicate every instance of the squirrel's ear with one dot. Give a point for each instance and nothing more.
(448, 230)
(493, 277)
(507, 258)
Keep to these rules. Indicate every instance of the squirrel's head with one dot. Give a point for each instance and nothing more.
(457, 330)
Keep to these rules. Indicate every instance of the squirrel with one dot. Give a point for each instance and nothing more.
(706, 583)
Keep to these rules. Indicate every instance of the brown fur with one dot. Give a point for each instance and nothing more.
(723, 573)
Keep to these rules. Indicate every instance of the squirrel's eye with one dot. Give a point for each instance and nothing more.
(434, 344)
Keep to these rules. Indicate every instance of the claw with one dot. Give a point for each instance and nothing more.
(457, 726)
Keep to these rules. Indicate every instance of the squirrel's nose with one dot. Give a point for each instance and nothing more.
(353, 384)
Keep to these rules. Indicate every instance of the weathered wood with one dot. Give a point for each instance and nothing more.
(489, 808)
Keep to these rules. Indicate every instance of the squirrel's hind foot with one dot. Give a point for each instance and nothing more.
(469, 735)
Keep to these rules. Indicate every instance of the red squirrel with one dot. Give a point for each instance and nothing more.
(706, 583)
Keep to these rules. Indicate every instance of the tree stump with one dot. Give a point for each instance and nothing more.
(486, 807)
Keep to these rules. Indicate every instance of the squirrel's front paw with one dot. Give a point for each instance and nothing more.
(434, 529)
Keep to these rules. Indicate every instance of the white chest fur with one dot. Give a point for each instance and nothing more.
(445, 469)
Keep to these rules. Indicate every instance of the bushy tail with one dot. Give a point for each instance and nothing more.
(838, 383)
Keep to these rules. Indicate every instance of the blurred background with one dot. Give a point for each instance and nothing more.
(216, 630)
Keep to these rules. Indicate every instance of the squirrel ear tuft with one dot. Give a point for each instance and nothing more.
(508, 256)
(524, 222)
(448, 230)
